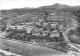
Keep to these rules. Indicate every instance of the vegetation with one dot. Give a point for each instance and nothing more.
(64, 12)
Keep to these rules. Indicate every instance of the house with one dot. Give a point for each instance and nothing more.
(45, 24)
(54, 33)
(37, 31)
(53, 25)
(10, 27)
(29, 28)
(45, 33)
(62, 28)
(41, 20)
(19, 27)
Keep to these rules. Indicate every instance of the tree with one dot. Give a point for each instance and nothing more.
(61, 37)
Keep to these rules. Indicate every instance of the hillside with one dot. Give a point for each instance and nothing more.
(45, 25)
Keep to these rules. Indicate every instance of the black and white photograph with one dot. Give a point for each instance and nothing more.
(39, 27)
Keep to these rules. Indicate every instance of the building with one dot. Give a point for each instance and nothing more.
(53, 25)
(45, 33)
(45, 24)
(54, 33)
(29, 28)
(19, 27)
(10, 27)
(37, 31)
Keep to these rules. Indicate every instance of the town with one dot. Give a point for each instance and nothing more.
(53, 29)
(39, 28)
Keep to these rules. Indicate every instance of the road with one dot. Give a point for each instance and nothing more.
(68, 41)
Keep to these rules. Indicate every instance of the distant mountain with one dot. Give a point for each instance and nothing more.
(44, 10)
(57, 6)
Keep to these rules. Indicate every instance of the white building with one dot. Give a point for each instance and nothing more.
(54, 34)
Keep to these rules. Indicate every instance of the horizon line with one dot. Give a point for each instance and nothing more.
(37, 7)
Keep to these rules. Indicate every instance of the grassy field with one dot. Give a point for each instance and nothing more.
(30, 49)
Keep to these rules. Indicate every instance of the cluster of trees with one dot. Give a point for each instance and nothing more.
(24, 36)
(73, 36)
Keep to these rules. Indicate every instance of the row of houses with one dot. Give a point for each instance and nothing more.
(31, 27)
(35, 31)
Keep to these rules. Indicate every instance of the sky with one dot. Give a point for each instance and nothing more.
(9, 4)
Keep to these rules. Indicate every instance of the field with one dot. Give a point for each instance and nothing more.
(31, 49)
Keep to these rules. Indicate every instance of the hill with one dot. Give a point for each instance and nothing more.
(44, 11)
